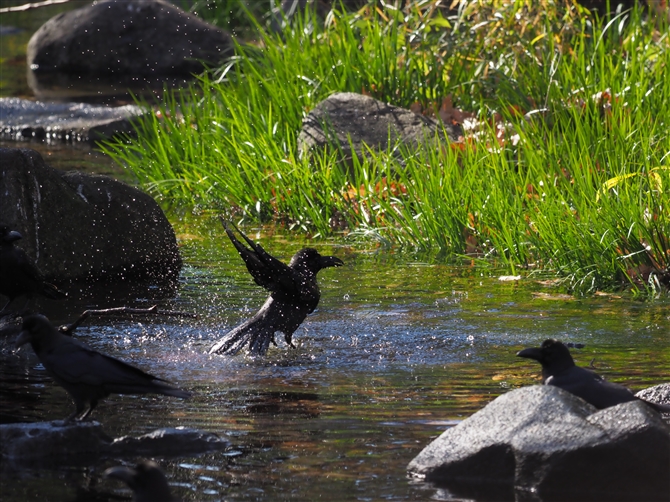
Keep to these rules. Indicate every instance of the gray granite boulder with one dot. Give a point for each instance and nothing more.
(85, 228)
(60, 443)
(22, 119)
(545, 441)
(137, 37)
(349, 121)
(659, 394)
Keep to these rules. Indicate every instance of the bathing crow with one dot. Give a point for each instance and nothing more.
(85, 374)
(18, 274)
(559, 369)
(146, 480)
(294, 293)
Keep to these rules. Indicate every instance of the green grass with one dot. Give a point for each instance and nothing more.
(584, 194)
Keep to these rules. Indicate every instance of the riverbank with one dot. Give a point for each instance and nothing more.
(561, 175)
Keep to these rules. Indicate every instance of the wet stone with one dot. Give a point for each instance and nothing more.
(546, 441)
(22, 119)
(79, 443)
(81, 228)
(168, 442)
(52, 442)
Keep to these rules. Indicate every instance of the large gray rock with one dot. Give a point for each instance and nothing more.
(22, 119)
(61, 443)
(84, 228)
(138, 37)
(659, 394)
(546, 441)
(347, 120)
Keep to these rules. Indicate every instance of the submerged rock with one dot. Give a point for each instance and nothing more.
(84, 228)
(350, 121)
(52, 442)
(545, 441)
(22, 119)
(167, 442)
(134, 37)
(67, 443)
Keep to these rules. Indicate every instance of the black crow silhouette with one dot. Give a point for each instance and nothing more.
(146, 480)
(559, 369)
(88, 376)
(18, 274)
(294, 293)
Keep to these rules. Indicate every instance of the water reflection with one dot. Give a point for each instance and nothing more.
(105, 90)
(396, 352)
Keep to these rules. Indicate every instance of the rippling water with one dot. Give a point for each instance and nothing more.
(397, 351)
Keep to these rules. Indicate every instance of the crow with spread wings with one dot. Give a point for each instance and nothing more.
(294, 293)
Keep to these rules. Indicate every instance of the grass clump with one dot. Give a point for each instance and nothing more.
(568, 172)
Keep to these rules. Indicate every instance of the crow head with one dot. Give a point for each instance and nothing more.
(552, 355)
(310, 260)
(36, 330)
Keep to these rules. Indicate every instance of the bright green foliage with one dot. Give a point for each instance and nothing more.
(583, 191)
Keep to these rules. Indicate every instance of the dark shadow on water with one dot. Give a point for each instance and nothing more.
(480, 491)
(296, 404)
(458, 490)
(83, 296)
(18, 396)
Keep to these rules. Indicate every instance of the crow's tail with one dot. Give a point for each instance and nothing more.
(257, 336)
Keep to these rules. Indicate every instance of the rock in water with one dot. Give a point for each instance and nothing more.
(545, 440)
(86, 228)
(136, 37)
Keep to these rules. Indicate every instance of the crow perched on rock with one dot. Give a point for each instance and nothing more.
(18, 274)
(85, 374)
(559, 369)
(146, 480)
(294, 293)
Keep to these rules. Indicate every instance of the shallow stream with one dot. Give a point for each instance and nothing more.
(397, 351)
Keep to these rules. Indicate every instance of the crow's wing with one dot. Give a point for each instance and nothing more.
(591, 387)
(267, 271)
(32, 278)
(28, 269)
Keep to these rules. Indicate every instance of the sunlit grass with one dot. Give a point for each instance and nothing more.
(582, 192)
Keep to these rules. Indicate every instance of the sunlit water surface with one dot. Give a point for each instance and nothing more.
(397, 351)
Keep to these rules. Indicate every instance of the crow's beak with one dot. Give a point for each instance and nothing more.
(24, 337)
(13, 236)
(530, 353)
(331, 261)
